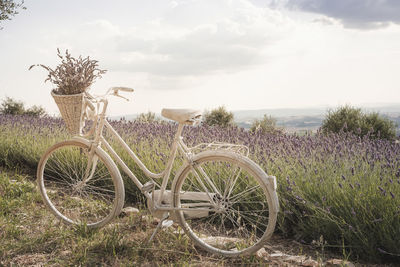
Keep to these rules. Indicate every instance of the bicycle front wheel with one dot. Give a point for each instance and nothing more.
(224, 203)
(80, 186)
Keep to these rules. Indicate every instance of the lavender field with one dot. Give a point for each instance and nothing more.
(341, 187)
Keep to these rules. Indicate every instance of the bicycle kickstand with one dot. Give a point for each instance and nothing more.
(164, 223)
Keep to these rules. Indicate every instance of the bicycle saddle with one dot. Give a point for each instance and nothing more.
(185, 116)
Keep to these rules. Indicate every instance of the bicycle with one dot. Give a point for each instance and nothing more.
(221, 199)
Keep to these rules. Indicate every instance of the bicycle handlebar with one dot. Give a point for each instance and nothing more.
(117, 89)
(102, 98)
(124, 89)
(112, 91)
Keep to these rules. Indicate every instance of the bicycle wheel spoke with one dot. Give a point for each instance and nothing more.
(248, 191)
(241, 214)
(231, 184)
(77, 200)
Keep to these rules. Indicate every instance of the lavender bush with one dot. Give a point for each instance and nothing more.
(339, 186)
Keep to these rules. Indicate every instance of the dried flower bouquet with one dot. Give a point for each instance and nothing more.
(73, 75)
(72, 78)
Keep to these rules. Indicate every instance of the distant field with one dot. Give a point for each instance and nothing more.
(340, 187)
(299, 119)
(308, 119)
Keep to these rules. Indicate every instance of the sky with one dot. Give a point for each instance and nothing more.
(201, 54)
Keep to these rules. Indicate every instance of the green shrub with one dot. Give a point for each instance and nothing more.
(380, 127)
(351, 119)
(10, 106)
(219, 116)
(265, 125)
(37, 111)
(148, 117)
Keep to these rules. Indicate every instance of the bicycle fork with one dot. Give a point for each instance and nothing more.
(90, 168)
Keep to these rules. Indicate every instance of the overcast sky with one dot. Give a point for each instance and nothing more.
(244, 54)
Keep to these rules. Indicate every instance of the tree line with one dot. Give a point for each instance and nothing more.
(343, 119)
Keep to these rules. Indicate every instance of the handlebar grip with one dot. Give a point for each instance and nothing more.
(124, 89)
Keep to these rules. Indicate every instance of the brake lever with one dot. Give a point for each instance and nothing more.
(116, 94)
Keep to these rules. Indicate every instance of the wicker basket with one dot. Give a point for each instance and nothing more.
(70, 107)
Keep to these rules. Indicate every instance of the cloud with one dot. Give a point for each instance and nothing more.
(325, 21)
(192, 38)
(361, 14)
(222, 46)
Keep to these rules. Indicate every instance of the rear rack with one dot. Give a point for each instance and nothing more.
(239, 149)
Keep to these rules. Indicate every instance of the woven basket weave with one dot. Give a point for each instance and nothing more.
(70, 107)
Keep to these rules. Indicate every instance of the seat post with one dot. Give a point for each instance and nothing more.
(172, 155)
(179, 131)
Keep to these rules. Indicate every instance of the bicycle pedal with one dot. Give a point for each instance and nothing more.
(167, 223)
(147, 187)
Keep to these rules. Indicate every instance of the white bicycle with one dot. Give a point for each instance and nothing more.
(221, 199)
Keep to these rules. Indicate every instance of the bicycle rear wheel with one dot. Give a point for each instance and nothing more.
(224, 203)
(79, 187)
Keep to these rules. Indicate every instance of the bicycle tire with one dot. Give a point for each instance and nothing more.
(60, 180)
(226, 228)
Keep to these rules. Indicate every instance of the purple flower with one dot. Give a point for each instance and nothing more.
(353, 212)
(328, 209)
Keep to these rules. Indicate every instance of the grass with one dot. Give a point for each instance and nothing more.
(31, 235)
(340, 187)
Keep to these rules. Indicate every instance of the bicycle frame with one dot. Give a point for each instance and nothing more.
(100, 123)
(165, 174)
